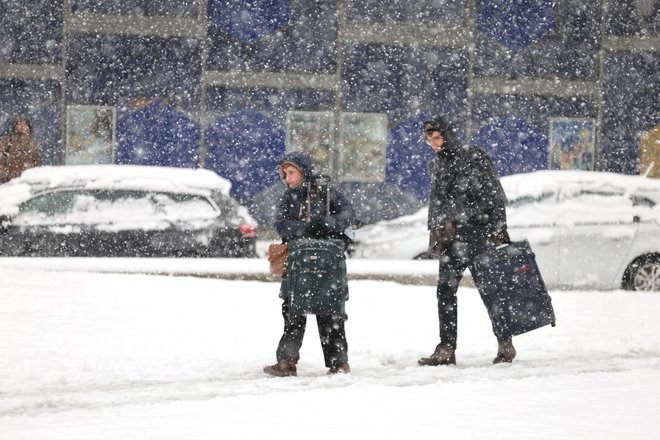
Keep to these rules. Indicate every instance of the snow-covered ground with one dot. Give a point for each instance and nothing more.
(88, 355)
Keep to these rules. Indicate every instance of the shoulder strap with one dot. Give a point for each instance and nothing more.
(319, 185)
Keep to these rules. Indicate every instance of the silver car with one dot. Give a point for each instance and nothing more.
(588, 229)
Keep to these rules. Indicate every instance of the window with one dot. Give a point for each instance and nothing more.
(572, 144)
(131, 208)
(364, 144)
(363, 140)
(313, 134)
(48, 205)
(90, 135)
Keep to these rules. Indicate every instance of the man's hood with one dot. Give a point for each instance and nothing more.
(450, 133)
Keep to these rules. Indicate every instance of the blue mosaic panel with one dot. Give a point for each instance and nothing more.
(516, 24)
(246, 126)
(570, 51)
(250, 20)
(402, 81)
(410, 85)
(158, 135)
(514, 145)
(633, 17)
(246, 138)
(514, 129)
(244, 147)
(39, 101)
(275, 103)
(631, 91)
(30, 31)
(184, 8)
(408, 156)
(261, 41)
(102, 69)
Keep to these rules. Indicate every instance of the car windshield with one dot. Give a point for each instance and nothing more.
(122, 208)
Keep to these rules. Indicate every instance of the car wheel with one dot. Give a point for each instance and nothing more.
(643, 274)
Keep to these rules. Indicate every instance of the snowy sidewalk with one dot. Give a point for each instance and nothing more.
(86, 355)
(402, 271)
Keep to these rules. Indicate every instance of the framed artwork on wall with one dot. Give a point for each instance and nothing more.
(572, 144)
(313, 134)
(363, 137)
(649, 153)
(90, 137)
(364, 147)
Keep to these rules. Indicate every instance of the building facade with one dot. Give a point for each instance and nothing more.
(231, 85)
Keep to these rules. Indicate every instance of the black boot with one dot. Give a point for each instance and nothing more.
(506, 352)
(444, 354)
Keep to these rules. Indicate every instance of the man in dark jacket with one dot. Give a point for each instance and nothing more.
(301, 214)
(466, 216)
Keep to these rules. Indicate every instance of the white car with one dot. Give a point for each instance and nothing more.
(122, 211)
(588, 229)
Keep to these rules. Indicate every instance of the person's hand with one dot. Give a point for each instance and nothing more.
(314, 228)
(441, 238)
(448, 232)
(501, 238)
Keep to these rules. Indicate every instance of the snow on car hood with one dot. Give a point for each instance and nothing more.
(164, 179)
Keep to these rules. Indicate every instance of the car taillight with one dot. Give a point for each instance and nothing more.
(248, 231)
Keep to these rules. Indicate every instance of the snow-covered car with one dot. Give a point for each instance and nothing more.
(588, 229)
(123, 211)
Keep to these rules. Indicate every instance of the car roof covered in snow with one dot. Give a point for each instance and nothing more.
(538, 182)
(136, 177)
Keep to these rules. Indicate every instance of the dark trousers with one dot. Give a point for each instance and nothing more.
(468, 243)
(331, 332)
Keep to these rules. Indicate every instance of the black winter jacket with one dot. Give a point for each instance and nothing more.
(294, 219)
(291, 216)
(465, 188)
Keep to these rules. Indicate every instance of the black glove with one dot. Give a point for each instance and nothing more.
(315, 229)
(501, 238)
(441, 238)
(316, 210)
(448, 233)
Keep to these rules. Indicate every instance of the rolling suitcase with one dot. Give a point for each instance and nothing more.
(317, 282)
(512, 289)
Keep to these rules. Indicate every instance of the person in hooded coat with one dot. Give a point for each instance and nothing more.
(293, 221)
(18, 150)
(466, 217)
